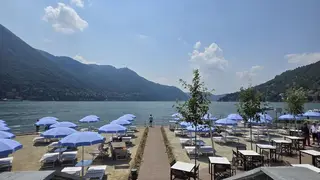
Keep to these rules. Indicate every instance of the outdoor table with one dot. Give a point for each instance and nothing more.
(182, 166)
(217, 161)
(118, 145)
(295, 141)
(272, 149)
(282, 143)
(246, 155)
(312, 153)
(72, 170)
(294, 132)
(313, 168)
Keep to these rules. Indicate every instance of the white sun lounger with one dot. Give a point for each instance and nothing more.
(48, 160)
(201, 150)
(68, 158)
(53, 145)
(72, 170)
(6, 163)
(39, 140)
(95, 172)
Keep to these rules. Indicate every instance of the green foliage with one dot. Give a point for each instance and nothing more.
(249, 103)
(197, 105)
(307, 77)
(295, 99)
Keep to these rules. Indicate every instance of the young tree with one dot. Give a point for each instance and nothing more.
(295, 99)
(197, 105)
(249, 106)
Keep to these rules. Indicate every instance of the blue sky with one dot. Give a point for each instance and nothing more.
(233, 43)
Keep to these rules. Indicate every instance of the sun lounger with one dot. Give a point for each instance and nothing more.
(6, 164)
(72, 170)
(132, 128)
(201, 150)
(95, 172)
(283, 131)
(190, 142)
(39, 140)
(53, 145)
(68, 158)
(48, 160)
(255, 137)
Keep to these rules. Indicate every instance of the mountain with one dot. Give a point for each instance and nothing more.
(307, 77)
(212, 96)
(33, 74)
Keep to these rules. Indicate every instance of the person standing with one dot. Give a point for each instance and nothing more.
(306, 134)
(37, 127)
(150, 120)
(314, 133)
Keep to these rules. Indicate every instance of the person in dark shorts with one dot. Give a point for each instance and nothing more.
(150, 120)
(306, 134)
(37, 127)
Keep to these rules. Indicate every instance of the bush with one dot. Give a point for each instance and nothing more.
(169, 150)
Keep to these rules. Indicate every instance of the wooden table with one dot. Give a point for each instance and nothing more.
(312, 153)
(267, 146)
(245, 154)
(182, 166)
(295, 141)
(282, 142)
(217, 161)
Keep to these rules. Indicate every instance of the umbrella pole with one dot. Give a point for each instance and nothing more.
(82, 160)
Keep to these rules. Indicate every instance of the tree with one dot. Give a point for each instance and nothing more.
(249, 106)
(197, 105)
(295, 99)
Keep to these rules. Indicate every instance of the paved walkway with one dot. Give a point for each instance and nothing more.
(155, 164)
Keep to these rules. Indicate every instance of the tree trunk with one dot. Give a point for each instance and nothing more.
(195, 150)
(211, 138)
(251, 136)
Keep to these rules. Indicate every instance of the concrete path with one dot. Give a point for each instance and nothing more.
(155, 163)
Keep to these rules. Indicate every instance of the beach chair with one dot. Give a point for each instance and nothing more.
(68, 158)
(53, 145)
(6, 164)
(72, 170)
(95, 172)
(219, 140)
(48, 160)
(206, 150)
(132, 128)
(39, 140)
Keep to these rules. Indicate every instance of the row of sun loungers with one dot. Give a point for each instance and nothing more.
(48, 160)
(93, 172)
(202, 150)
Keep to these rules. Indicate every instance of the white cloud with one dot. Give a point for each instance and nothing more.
(64, 19)
(83, 60)
(197, 45)
(249, 74)
(79, 3)
(210, 59)
(303, 59)
(142, 36)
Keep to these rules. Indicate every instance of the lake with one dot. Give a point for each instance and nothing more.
(20, 116)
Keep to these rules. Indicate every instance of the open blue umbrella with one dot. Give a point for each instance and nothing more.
(45, 121)
(209, 116)
(6, 135)
(236, 117)
(265, 116)
(129, 115)
(4, 128)
(2, 121)
(226, 122)
(290, 117)
(311, 114)
(200, 128)
(112, 128)
(58, 132)
(9, 146)
(177, 115)
(64, 124)
(121, 122)
(185, 124)
(261, 121)
(3, 124)
(89, 119)
(82, 139)
(126, 118)
(176, 119)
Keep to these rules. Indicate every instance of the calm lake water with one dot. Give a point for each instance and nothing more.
(20, 116)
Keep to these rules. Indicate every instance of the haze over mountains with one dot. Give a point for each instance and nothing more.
(307, 77)
(33, 74)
